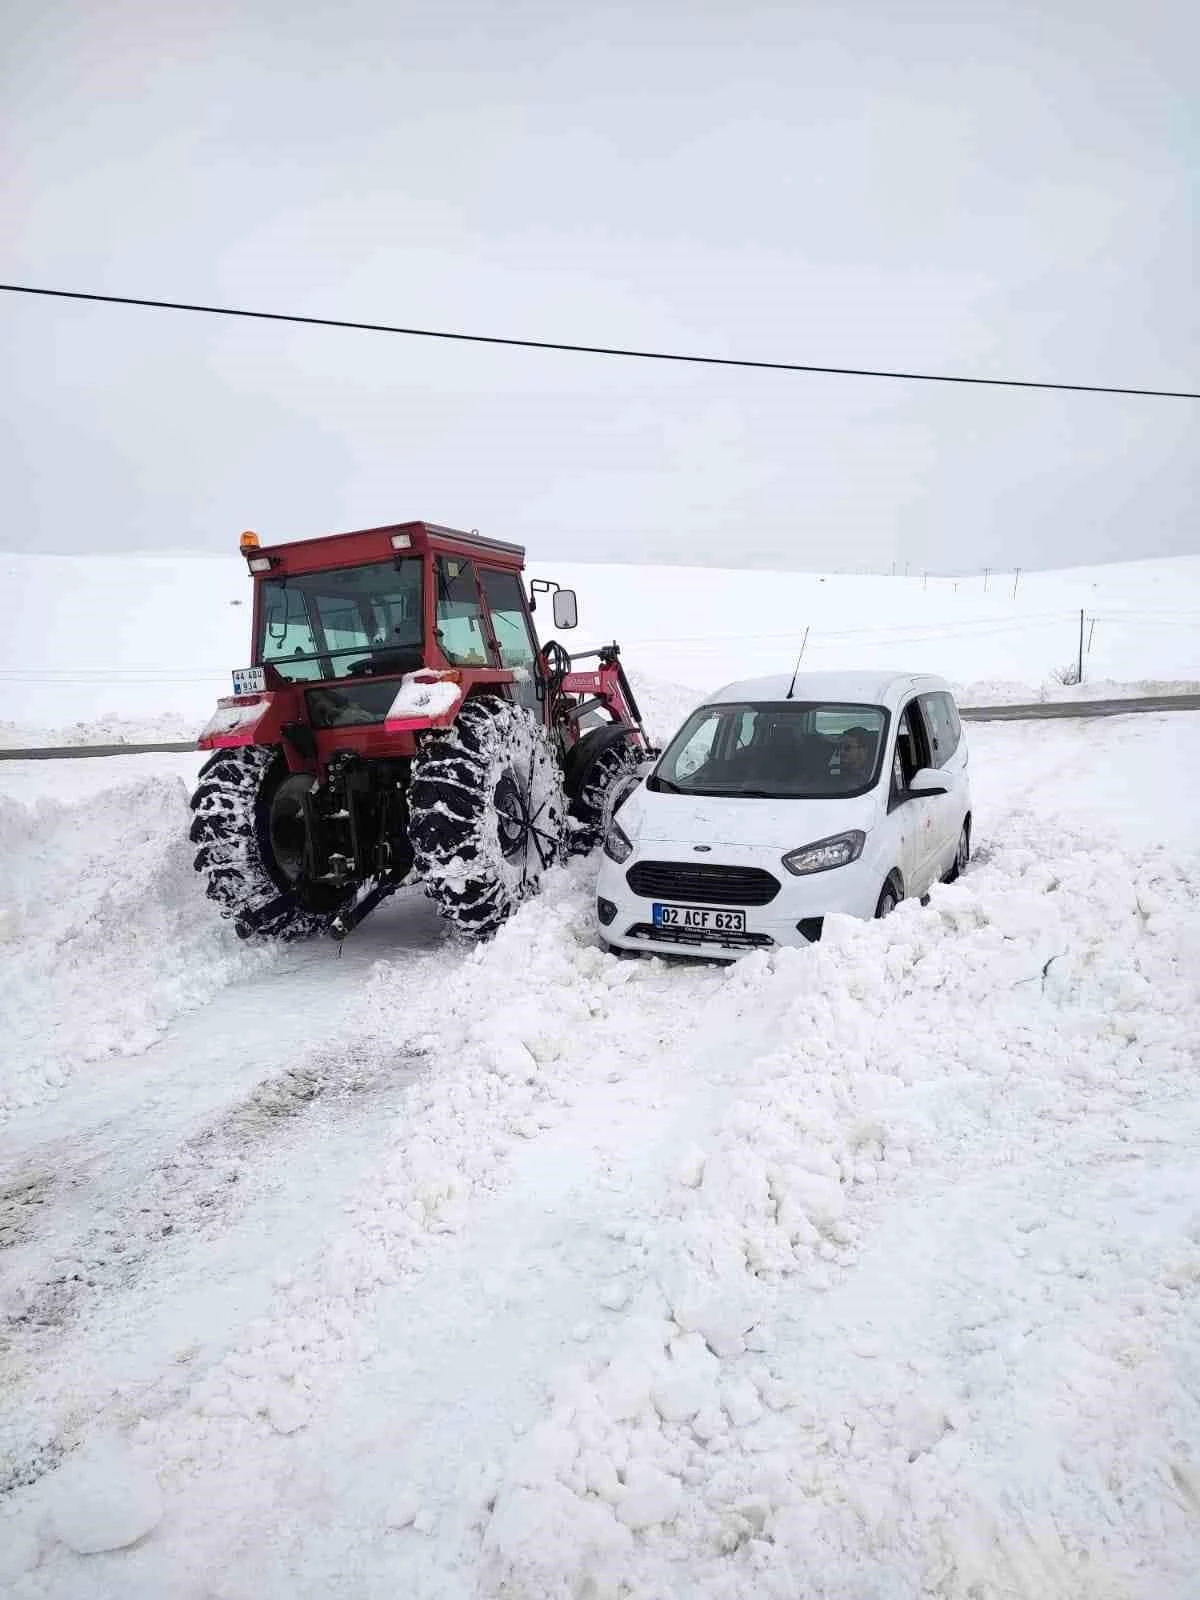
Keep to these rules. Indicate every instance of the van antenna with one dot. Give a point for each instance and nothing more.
(792, 686)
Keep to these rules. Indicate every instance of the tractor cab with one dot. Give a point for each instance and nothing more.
(354, 613)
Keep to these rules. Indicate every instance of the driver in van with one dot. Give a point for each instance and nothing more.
(855, 750)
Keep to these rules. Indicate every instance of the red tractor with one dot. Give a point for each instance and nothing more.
(402, 723)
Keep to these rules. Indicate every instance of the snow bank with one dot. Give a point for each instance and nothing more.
(664, 705)
(914, 1312)
(168, 727)
(1002, 693)
(104, 931)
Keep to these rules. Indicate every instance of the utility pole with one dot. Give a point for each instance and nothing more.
(1079, 679)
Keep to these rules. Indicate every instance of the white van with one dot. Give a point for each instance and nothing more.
(780, 801)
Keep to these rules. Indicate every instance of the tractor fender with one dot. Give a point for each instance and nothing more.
(425, 699)
(242, 719)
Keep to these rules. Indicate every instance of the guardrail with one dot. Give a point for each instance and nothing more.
(75, 752)
(1081, 708)
(1034, 712)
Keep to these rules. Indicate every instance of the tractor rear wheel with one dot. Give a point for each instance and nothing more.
(486, 813)
(249, 829)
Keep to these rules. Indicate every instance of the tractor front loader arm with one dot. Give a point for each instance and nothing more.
(607, 686)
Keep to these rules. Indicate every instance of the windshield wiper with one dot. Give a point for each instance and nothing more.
(655, 782)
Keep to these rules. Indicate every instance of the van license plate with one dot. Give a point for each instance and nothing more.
(698, 919)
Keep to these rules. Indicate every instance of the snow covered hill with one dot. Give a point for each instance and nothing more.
(99, 647)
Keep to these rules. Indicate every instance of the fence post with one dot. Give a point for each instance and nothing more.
(1079, 678)
(1016, 581)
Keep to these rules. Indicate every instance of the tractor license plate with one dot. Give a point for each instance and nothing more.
(699, 920)
(249, 680)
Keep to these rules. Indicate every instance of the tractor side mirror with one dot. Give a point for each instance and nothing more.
(566, 610)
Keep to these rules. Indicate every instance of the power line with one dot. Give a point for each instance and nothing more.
(589, 349)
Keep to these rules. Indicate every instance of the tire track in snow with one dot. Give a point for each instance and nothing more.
(111, 1198)
(484, 1096)
(61, 1294)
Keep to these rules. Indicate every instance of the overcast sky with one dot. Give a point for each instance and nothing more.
(1005, 189)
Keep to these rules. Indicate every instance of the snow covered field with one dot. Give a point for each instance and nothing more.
(864, 1271)
(100, 648)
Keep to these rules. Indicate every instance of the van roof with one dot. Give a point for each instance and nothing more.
(855, 688)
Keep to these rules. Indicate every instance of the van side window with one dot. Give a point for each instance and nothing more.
(952, 718)
(941, 719)
(912, 751)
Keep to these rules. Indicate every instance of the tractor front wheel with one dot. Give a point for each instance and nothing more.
(486, 813)
(249, 830)
(606, 778)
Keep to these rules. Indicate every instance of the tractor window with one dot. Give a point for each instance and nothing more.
(344, 622)
(460, 628)
(288, 641)
(506, 604)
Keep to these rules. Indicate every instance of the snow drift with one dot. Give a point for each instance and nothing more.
(105, 932)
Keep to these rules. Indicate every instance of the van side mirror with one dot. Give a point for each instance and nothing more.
(928, 781)
(566, 610)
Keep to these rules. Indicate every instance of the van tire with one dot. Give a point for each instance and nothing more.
(889, 898)
(962, 855)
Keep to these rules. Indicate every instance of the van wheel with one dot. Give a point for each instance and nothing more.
(962, 855)
(889, 899)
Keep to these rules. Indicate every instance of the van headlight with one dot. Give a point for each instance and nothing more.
(618, 846)
(838, 851)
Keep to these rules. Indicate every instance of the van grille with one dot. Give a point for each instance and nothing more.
(707, 884)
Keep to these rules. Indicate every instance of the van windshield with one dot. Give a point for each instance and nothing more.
(783, 750)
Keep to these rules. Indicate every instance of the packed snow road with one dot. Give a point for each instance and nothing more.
(867, 1270)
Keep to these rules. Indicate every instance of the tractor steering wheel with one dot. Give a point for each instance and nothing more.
(557, 663)
(361, 669)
